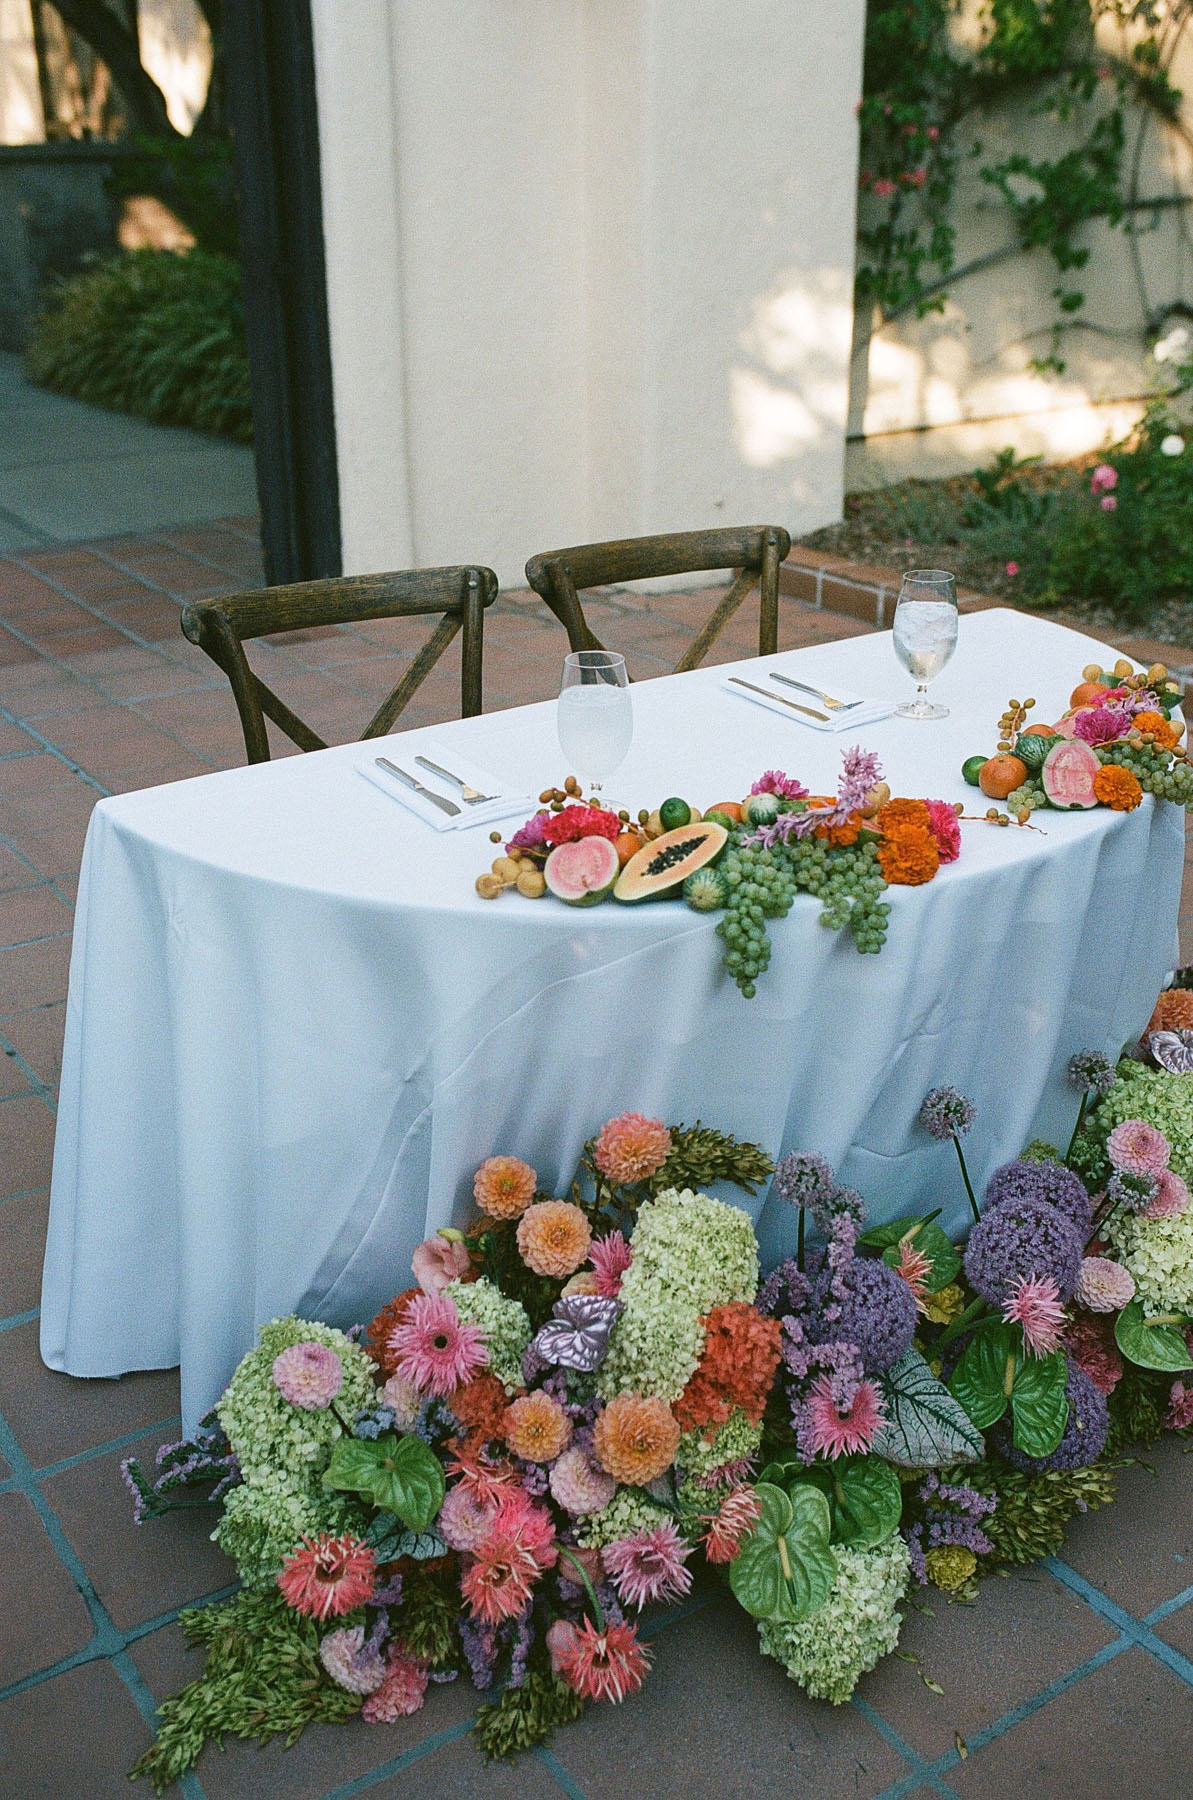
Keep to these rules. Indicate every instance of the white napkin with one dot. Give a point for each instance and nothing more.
(503, 805)
(775, 696)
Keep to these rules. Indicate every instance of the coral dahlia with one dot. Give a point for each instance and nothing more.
(537, 1428)
(504, 1186)
(606, 1663)
(636, 1438)
(434, 1349)
(554, 1238)
(735, 1518)
(631, 1148)
(401, 1693)
(328, 1575)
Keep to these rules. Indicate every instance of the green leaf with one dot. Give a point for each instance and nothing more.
(926, 1428)
(926, 1236)
(1039, 1404)
(865, 1499)
(401, 1474)
(785, 1568)
(1151, 1346)
(980, 1379)
(390, 1539)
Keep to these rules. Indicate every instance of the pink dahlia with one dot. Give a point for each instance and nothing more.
(434, 1349)
(349, 1664)
(610, 1258)
(308, 1375)
(1102, 724)
(405, 1399)
(835, 1433)
(1170, 1198)
(946, 829)
(1090, 1342)
(439, 1261)
(401, 1693)
(500, 1579)
(1138, 1149)
(327, 1576)
(649, 1565)
(735, 1518)
(1104, 1286)
(602, 1664)
(1034, 1302)
(1179, 1416)
(579, 1484)
(465, 1520)
(631, 1148)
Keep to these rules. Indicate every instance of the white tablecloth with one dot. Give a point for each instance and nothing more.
(294, 1030)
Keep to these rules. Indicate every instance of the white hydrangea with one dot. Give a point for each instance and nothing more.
(629, 1511)
(281, 1447)
(1159, 1254)
(503, 1322)
(857, 1625)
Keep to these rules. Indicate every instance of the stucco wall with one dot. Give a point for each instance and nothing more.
(590, 266)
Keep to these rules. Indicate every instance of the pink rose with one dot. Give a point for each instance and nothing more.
(1108, 503)
(1103, 479)
(438, 1262)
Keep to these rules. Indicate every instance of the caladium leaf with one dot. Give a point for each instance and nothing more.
(577, 1334)
(785, 1568)
(926, 1428)
(403, 1475)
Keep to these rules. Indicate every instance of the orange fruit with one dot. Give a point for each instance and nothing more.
(627, 844)
(1001, 776)
(1039, 731)
(1087, 693)
(730, 808)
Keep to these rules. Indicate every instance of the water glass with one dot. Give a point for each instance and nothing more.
(925, 635)
(593, 715)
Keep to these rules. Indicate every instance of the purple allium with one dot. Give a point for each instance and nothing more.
(1090, 1069)
(773, 781)
(878, 1314)
(1049, 1182)
(1085, 1433)
(308, 1375)
(1022, 1237)
(803, 1179)
(946, 1113)
(842, 1203)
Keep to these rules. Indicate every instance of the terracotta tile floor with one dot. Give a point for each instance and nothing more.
(1073, 1677)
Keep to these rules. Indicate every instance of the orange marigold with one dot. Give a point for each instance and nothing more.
(1155, 726)
(838, 835)
(1117, 788)
(741, 1354)
(537, 1428)
(480, 1405)
(908, 854)
(635, 1439)
(1173, 1011)
(504, 1186)
(903, 812)
(553, 1237)
(377, 1335)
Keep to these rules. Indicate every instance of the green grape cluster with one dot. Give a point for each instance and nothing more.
(760, 888)
(1156, 770)
(763, 883)
(1031, 795)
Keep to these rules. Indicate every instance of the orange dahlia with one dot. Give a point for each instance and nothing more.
(631, 1148)
(1155, 726)
(504, 1186)
(480, 1405)
(736, 1368)
(536, 1428)
(1173, 1011)
(1117, 788)
(908, 854)
(553, 1237)
(377, 1336)
(635, 1439)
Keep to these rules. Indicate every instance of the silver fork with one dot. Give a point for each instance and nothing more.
(806, 687)
(471, 796)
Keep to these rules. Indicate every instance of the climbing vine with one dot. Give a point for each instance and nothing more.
(926, 94)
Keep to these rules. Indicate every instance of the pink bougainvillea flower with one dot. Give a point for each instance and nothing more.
(602, 1664)
(610, 1258)
(1034, 1303)
(883, 188)
(1012, 569)
(1104, 477)
(773, 781)
(632, 1147)
(434, 1349)
(1170, 1198)
(328, 1575)
(1138, 1148)
(649, 1565)
(734, 1519)
(843, 1434)
(439, 1261)
(308, 1375)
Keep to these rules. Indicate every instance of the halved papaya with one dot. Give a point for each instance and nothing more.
(660, 868)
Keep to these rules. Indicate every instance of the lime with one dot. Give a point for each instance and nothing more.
(971, 768)
(673, 813)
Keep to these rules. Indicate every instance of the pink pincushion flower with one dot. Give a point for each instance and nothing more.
(1104, 1286)
(649, 1565)
(579, 1484)
(1179, 1416)
(610, 1258)
(1034, 1303)
(434, 1349)
(349, 1664)
(465, 1521)
(401, 1693)
(308, 1375)
(735, 1518)
(834, 1433)
(604, 1664)
(1104, 477)
(773, 781)
(439, 1261)
(328, 1575)
(632, 1147)
(1102, 724)
(500, 1579)
(946, 829)
(1138, 1149)
(1170, 1198)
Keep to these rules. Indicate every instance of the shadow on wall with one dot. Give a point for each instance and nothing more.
(793, 394)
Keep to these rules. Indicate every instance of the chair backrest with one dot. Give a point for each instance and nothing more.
(221, 626)
(753, 551)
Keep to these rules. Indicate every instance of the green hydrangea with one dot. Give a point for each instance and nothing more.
(630, 1510)
(690, 1253)
(858, 1623)
(737, 1438)
(1160, 1099)
(1159, 1254)
(504, 1323)
(281, 1447)
(260, 1527)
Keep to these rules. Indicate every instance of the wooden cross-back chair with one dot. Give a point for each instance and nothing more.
(221, 626)
(753, 551)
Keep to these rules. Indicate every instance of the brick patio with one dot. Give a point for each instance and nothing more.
(1071, 1677)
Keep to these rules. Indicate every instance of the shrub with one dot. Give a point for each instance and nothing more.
(154, 333)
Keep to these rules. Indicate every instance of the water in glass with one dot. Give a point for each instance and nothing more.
(594, 716)
(925, 634)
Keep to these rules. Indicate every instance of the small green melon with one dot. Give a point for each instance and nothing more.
(706, 891)
(762, 809)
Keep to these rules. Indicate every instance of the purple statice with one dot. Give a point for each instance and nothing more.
(533, 1364)
(773, 781)
(804, 1179)
(952, 1514)
(372, 1424)
(1021, 1238)
(522, 1645)
(1085, 1433)
(532, 835)
(877, 1314)
(189, 1463)
(390, 1594)
(1048, 1181)
(785, 1290)
(1090, 1069)
(481, 1648)
(946, 1114)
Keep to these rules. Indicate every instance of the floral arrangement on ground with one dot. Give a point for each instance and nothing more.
(587, 1403)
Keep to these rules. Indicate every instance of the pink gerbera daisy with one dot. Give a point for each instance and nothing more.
(649, 1565)
(843, 1434)
(1138, 1148)
(1034, 1303)
(631, 1147)
(500, 1579)
(610, 1258)
(433, 1348)
(327, 1576)
(737, 1515)
(601, 1664)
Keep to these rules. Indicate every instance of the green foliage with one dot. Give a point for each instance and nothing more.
(1150, 1344)
(700, 1155)
(263, 1679)
(925, 1427)
(525, 1716)
(430, 1608)
(785, 1568)
(1137, 1407)
(403, 1475)
(995, 1372)
(154, 333)
(194, 176)
(1033, 1510)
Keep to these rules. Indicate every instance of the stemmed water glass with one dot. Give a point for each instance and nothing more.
(593, 715)
(925, 635)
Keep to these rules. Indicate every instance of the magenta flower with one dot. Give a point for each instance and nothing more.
(834, 1433)
(434, 1349)
(1034, 1303)
(773, 781)
(1136, 1148)
(308, 1375)
(610, 1258)
(649, 1565)
(1108, 503)
(1102, 724)
(438, 1262)
(942, 817)
(1012, 569)
(1103, 479)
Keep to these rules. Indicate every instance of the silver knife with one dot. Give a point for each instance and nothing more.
(803, 688)
(447, 806)
(767, 695)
